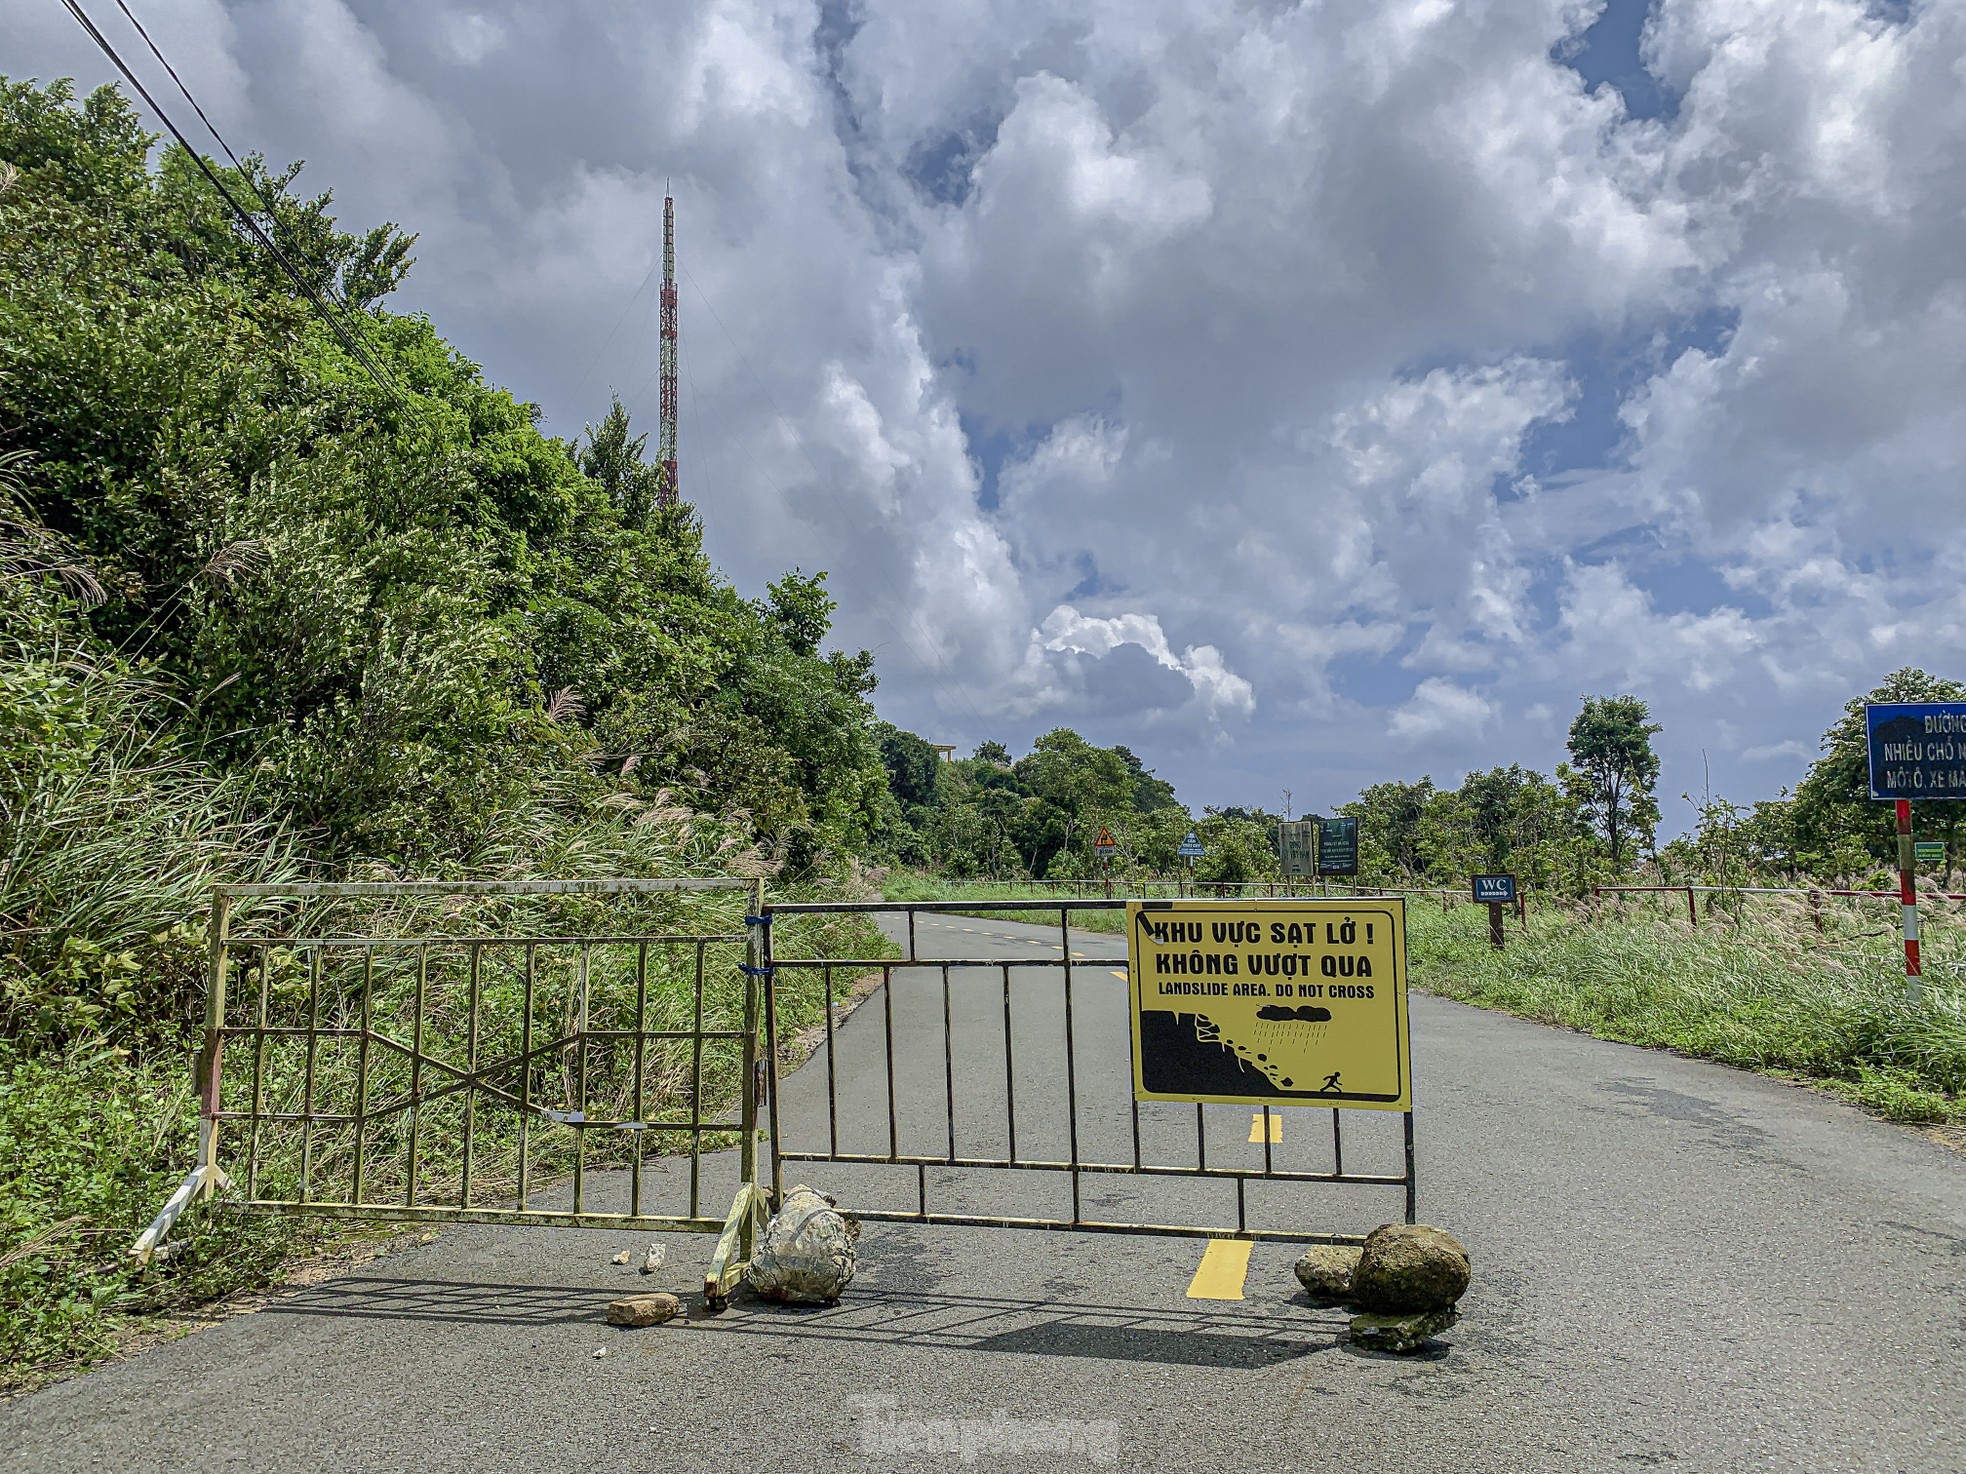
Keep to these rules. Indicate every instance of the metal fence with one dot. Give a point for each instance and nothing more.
(376, 1065)
(959, 1047)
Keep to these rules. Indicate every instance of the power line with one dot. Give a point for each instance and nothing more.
(356, 349)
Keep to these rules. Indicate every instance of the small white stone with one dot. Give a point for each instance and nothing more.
(652, 1258)
(621, 1258)
(599, 1352)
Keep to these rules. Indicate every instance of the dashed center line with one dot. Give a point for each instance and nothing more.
(1256, 1127)
(1224, 1267)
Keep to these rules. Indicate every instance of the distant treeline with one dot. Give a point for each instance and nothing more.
(1595, 819)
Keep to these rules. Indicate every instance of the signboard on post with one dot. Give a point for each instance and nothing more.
(1270, 1002)
(1495, 890)
(1190, 848)
(1104, 844)
(1917, 749)
(1297, 849)
(1929, 852)
(1337, 846)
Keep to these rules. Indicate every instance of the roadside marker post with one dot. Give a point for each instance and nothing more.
(1496, 892)
(1103, 846)
(1916, 749)
(1190, 850)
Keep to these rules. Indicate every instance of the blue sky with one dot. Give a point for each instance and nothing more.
(1302, 394)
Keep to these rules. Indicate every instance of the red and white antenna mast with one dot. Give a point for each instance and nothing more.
(666, 438)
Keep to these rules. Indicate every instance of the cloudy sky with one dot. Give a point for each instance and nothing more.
(1303, 394)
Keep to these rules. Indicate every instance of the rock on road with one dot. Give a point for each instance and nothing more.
(1676, 1265)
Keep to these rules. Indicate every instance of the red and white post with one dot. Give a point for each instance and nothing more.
(1908, 903)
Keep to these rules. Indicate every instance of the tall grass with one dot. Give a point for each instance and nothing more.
(1755, 985)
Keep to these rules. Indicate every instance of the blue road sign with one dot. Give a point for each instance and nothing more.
(1190, 848)
(1917, 749)
(1495, 889)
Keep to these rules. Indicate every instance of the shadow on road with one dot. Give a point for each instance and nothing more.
(1028, 1327)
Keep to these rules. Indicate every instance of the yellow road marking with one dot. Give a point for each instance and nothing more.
(1256, 1127)
(1224, 1266)
(1120, 973)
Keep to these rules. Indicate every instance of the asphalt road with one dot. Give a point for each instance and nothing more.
(1676, 1265)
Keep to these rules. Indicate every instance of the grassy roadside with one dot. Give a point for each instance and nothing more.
(1755, 985)
(1758, 988)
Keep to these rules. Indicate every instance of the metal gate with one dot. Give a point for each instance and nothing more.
(950, 1077)
(474, 1052)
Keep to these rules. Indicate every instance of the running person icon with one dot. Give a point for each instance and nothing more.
(1330, 1082)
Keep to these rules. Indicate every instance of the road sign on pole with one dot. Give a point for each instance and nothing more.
(1270, 1002)
(1498, 892)
(1929, 851)
(1917, 750)
(1337, 846)
(1190, 848)
(1296, 847)
(1105, 844)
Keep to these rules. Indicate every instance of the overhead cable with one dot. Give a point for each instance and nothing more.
(348, 341)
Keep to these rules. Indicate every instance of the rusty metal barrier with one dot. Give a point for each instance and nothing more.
(460, 1074)
(969, 979)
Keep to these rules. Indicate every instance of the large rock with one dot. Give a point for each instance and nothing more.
(1326, 1272)
(807, 1253)
(1409, 1267)
(643, 1310)
(1399, 1334)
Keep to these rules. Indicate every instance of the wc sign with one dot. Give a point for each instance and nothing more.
(1495, 890)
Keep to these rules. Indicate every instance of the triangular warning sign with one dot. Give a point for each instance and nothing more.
(1105, 841)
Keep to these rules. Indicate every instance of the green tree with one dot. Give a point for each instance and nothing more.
(1614, 771)
(614, 459)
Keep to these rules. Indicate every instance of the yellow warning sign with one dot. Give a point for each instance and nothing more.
(1270, 1002)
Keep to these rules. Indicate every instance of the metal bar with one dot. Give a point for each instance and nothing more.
(396, 1213)
(887, 1019)
(949, 1060)
(362, 1075)
(799, 907)
(1242, 1214)
(1009, 1068)
(471, 1001)
(1412, 1182)
(580, 1082)
(296, 1031)
(525, 1071)
(307, 1085)
(870, 963)
(1337, 1142)
(1268, 1132)
(1125, 1169)
(259, 1080)
(1201, 1140)
(747, 1149)
(912, 952)
(328, 1118)
(1071, 1056)
(616, 886)
(461, 939)
(641, 1068)
(212, 1055)
(832, 1085)
(416, 1073)
(771, 1045)
(1088, 1225)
